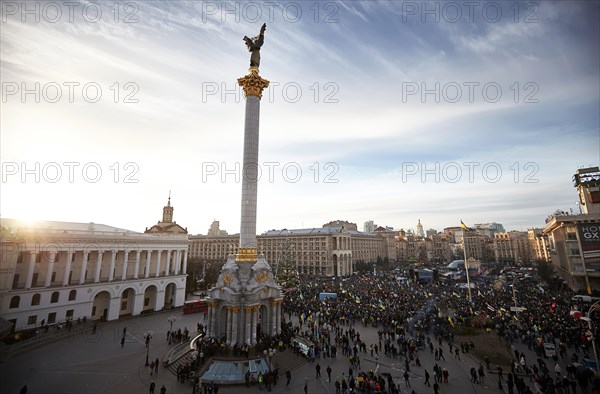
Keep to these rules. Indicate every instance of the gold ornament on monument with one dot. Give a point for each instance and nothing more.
(262, 277)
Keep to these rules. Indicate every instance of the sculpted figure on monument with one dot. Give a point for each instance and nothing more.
(254, 45)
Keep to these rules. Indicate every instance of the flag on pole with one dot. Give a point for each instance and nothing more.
(464, 226)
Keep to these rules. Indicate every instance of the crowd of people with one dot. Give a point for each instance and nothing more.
(407, 315)
(414, 317)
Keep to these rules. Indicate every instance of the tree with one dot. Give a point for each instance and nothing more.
(287, 271)
(545, 270)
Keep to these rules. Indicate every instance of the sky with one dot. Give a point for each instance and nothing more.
(391, 111)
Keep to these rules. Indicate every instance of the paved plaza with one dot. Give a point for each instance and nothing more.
(86, 363)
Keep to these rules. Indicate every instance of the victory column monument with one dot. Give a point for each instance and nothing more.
(246, 299)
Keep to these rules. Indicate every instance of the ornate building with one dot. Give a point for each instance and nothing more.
(167, 225)
(55, 271)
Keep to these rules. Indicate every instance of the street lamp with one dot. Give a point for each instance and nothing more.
(269, 354)
(588, 319)
(147, 337)
(171, 319)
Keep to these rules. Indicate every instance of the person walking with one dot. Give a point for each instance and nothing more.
(152, 387)
(156, 366)
(481, 373)
(427, 378)
(151, 368)
(318, 369)
(406, 379)
(329, 373)
(306, 386)
(445, 374)
(436, 388)
(123, 341)
(163, 389)
(441, 352)
(288, 376)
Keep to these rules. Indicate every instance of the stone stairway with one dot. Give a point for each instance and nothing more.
(287, 361)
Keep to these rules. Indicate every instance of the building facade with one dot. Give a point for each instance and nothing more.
(327, 251)
(512, 247)
(57, 271)
(574, 240)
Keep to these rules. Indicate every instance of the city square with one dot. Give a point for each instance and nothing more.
(429, 130)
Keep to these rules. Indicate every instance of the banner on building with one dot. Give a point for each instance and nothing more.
(589, 237)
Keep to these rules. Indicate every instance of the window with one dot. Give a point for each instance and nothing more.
(123, 305)
(31, 320)
(36, 299)
(15, 301)
(69, 315)
(72, 295)
(146, 301)
(54, 297)
(53, 278)
(51, 317)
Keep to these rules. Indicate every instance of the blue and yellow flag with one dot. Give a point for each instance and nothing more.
(464, 226)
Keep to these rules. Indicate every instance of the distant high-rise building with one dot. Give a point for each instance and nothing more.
(420, 232)
(431, 232)
(489, 229)
(214, 229)
(348, 226)
(369, 227)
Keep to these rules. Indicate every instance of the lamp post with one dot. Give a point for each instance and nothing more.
(147, 337)
(269, 355)
(588, 319)
(172, 319)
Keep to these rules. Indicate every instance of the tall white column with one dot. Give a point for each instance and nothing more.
(51, 258)
(84, 265)
(124, 271)
(228, 326)
(273, 329)
(254, 323)
(214, 320)
(111, 270)
(185, 257)
(210, 319)
(248, 310)
(234, 325)
(176, 262)
(158, 253)
(147, 269)
(278, 318)
(168, 265)
(137, 264)
(30, 269)
(98, 266)
(67, 273)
